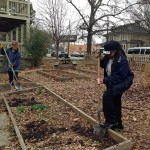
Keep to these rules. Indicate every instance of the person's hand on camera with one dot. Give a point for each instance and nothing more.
(99, 54)
(102, 56)
(102, 81)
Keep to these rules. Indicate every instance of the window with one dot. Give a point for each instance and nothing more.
(123, 36)
(142, 51)
(133, 51)
(147, 51)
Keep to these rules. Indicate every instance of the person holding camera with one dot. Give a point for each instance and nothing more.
(117, 78)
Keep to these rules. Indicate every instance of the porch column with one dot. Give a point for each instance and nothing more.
(11, 35)
(17, 37)
(7, 7)
(7, 37)
(22, 34)
(28, 28)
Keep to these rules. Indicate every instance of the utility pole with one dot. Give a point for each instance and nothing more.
(69, 38)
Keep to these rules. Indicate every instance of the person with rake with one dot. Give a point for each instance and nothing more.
(13, 63)
(117, 78)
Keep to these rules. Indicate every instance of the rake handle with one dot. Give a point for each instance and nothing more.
(98, 80)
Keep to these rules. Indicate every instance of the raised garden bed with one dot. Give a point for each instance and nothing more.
(92, 71)
(61, 74)
(46, 121)
(135, 102)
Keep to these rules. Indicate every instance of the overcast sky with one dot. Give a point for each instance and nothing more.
(80, 3)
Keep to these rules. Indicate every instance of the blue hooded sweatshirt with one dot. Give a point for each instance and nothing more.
(14, 57)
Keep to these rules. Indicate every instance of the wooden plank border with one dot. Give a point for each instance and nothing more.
(126, 145)
(21, 141)
(123, 143)
(77, 76)
(65, 71)
(22, 91)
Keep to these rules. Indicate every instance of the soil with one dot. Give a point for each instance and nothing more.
(72, 132)
(55, 127)
(135, 103)
(22, 102)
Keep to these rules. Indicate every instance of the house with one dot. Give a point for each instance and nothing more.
(14, 21)
(130, 35)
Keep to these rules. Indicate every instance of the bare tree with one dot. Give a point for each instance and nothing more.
(53, 17)
(95, 20)
(142, 13)
(32, 14)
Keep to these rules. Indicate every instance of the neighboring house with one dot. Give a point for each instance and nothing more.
(130, 35)
(14, 21)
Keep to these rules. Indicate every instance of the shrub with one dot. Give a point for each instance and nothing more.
(37, 45)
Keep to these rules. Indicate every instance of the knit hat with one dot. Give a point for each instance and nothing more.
(110, 46)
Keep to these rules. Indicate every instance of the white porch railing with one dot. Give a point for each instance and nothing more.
(14, 7)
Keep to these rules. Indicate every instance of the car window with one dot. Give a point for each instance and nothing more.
(133, 51)
(142, 51)
(147, 51)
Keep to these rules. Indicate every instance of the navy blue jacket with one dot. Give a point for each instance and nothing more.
(121, 77)
(14, 58)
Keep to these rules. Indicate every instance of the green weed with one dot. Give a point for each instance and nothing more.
(38, 107)
(40, 90)
(20, 108)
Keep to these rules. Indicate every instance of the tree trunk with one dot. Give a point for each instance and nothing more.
(89, 42)
(57, 49)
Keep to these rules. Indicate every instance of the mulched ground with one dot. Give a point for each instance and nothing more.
(45, 123)
(83, 94)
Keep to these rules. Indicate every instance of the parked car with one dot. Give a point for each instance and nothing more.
(75, 55)
(53, 54)
(63, 55)
(81, 55)
(139, 50)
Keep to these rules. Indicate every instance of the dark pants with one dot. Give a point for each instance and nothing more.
(112, 107)
(12, 77)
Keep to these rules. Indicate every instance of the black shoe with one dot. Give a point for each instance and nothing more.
(108, 125)
(120, 126)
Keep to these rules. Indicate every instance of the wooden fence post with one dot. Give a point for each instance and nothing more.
(146, 80)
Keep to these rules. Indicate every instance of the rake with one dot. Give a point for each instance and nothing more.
(17, 83)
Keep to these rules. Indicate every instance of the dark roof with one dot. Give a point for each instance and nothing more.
(130, 28)
(131, 41)
(7, 24)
